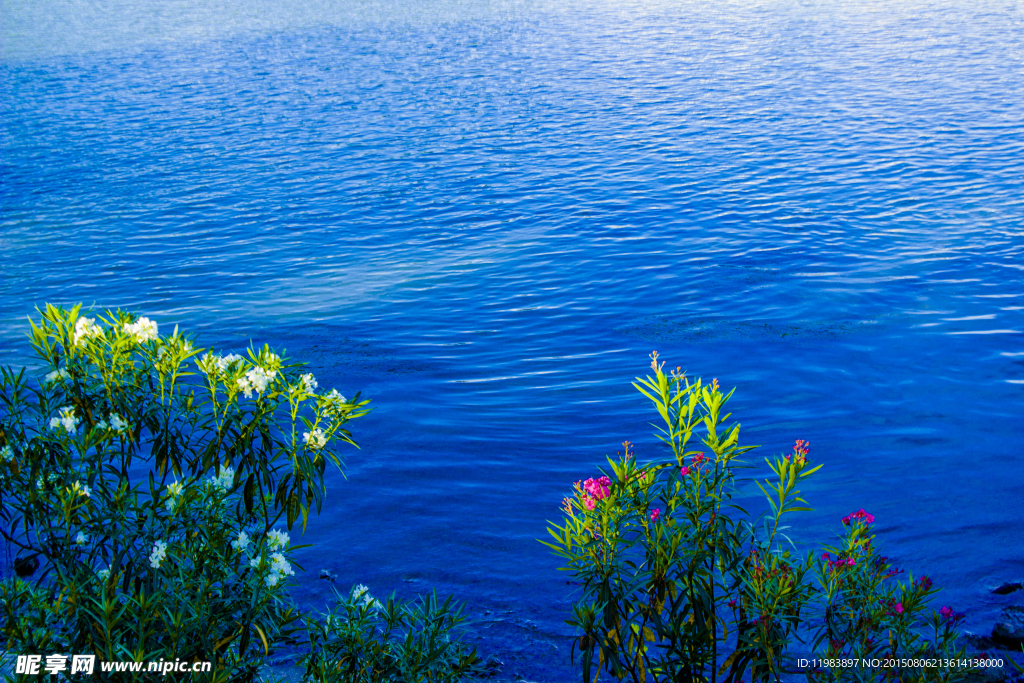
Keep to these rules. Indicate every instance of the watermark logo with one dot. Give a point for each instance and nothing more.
(34, 665)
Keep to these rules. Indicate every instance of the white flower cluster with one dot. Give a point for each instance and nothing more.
(81, 539)
(242, 542)
(279, 568)
(104, 574)
(173, 491)
(256, 380)
(225, 479)
(67, 420)
(52, 377)
(315, 439)
(362, 593)
(158, 555)
(116, 423)
(82, 489)
(143, 329)
(309, 382)
(87, 327)
(277, 539)
(333, 402)
(220, 363)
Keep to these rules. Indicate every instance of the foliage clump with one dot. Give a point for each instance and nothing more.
(149, 488)
(681, 584)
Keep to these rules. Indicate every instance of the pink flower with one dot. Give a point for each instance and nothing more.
(826, 557)
(860, 514)
(655, 514)
(850, 562)
(588, 502)
(732, 603)
(899, 608)
(598, 488)
(684, 471)
(946, 612)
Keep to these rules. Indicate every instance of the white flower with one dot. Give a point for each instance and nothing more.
(6, 452)
(83, 489)
(173, 491)
(104, 574)
(279, 568)
(211, 363)
(158, 555)
(315, 439)
(102, 425)
(257, 379)
(81, 539)
(242, 543)
(52, 377)
(362, 593)
(117, 424)
(333, 395)
(254, 562)
(67, 419)
(277, 539)
(225, 480)
(86, 327)
(309, 382)
(144, 330)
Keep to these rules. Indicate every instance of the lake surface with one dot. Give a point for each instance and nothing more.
(486, 215)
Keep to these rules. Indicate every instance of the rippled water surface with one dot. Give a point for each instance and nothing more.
(486, 215)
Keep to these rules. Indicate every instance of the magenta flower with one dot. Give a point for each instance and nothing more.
(655, 514)
(859, 514)
(732, 603)
(684, 471)
(599, 488)
(899, 608)
(826, 557)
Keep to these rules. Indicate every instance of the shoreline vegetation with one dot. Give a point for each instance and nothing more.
(150, 488)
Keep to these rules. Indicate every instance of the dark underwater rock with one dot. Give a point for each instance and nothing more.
(1009, 630)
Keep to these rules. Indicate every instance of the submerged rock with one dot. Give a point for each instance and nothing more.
(1009, 630)
(1008, 588)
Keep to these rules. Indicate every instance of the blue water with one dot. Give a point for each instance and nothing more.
(486, 215)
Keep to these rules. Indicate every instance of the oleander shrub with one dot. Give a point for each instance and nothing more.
(679, 583)
(148, 488)
(361, 640)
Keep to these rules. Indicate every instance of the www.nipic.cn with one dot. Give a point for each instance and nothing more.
(86, 664)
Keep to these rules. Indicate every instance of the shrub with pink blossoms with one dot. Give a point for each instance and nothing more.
(677, 586)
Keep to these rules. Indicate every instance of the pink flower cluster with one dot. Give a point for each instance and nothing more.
(595, 490)
(924, 582)
(655, 514)
(859, 514)
(598, 488)
(838, 563)
(949, 615)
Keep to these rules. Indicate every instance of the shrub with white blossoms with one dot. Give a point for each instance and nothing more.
(151, 487)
